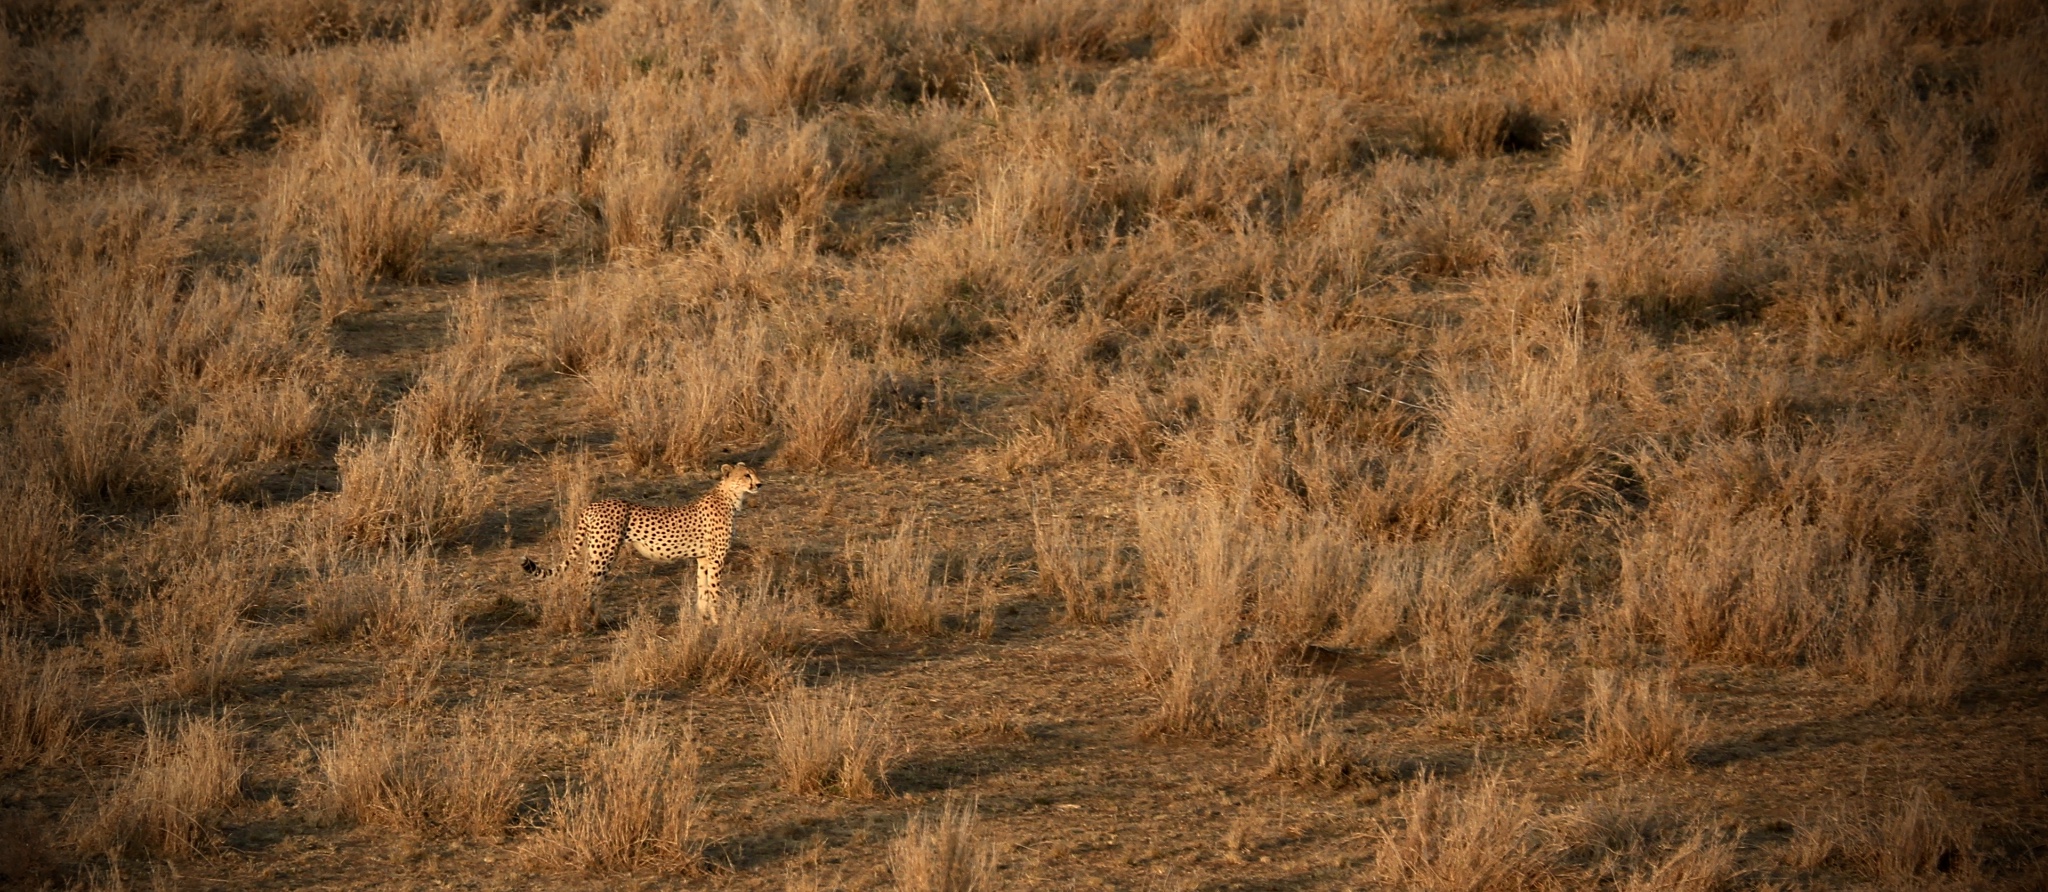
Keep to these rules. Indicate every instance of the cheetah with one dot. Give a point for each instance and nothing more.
(701, 529)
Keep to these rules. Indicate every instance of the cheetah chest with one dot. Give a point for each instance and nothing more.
(674, 535)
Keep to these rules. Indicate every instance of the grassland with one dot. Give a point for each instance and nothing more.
(1226, 444)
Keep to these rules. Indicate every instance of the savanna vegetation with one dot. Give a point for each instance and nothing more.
(1230, 443)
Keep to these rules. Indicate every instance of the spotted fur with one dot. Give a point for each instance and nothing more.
(701, 530)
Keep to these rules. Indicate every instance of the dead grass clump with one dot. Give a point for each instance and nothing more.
(396, 488)
(1907, 649)
(821, 406)
(637, 804)
(1082, 571)
(1321, 567)
(345, 197)
(1303, 744)
(1457, 615)
(830, 740)
(1907, 841)
(1620, 67)
(1478, 839)
(1639, 720)
(42, 698)
(240, 431)
(1198, 562)
(169, 801)
(1545, 689)
(673, 404)
(747, 647)
(192, 627)
(400, 774)
(455, 405)
(1640, 842)
(37, 528)
(943, 854)
(893, 580)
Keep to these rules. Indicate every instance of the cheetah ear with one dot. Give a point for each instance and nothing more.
(725, 469)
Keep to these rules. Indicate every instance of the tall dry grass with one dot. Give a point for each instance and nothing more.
(826, 739)
(894, 581)
(750, 646)
(1483, 837)
(399, 773)
(637, 803)
(170, 800)
(943, 853)
(45, 703)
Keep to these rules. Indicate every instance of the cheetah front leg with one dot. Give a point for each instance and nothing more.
(707, 586)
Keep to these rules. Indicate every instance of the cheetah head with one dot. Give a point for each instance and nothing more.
(739, 479)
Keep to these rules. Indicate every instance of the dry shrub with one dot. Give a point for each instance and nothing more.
(400, 774)
(43, 700)
(821, 407)
(893, 579)
(1302, 743)
(778, 181)
(1079, 570)
(582, 326)
(830, 740)
(1639, 720)
(37, 528)
(171, 798)
(192, 626)
(1198, 561)
(1905, 842)
(1482, 838)
(346, 197)
(747, 647)
(943, 854)
(1208, 33)
(396, 488)
(637, 804)
(240, 431)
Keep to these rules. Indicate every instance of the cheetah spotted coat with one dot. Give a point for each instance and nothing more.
(701, 530)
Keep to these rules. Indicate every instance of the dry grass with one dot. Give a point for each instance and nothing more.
(1303, 744)
(398, 773)
(171, 798)
(397, 488)
(749, 646)
(37, 526)
(1913, 839)
(1480, 838)
(894, 581)
(1080, 570)
(1639, 719)
(46, 698)
(346, 200)
(193, 627)
(821, 406)
(1539, 353)
(944, 853)
(636, 804)
(830, 740)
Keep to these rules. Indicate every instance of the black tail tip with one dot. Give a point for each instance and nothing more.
(530, 567)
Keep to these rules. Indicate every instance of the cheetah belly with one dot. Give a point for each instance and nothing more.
(664, 539)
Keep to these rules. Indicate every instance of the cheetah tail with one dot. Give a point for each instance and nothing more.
(535, 570)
